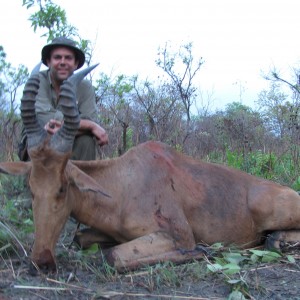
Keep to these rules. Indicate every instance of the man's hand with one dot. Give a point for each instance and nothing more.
(100, 135)
(53, 126)
(85, 125)
(96, 130)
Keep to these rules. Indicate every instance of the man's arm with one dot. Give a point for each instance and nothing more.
(88, 113)
(86, 126)
(95, 129)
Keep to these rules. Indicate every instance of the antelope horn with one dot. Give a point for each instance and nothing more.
(36, 69)
(63, 139)
(34, 131)
(76, 78)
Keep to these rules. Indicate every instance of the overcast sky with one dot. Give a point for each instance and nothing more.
(238, 39)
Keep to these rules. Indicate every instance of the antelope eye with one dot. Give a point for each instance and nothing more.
(62, 190)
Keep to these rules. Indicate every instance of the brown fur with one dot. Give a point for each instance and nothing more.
(156, 203)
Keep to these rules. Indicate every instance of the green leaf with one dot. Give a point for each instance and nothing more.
(230, 269)
(254, 258)
(265, 255)
(221, 261)
(28, 222)
(227, 269)
(271, 256)
(236, 295)
(234, 281)
(217, 246)
(259, 252)
(234, 257)
(291, 258)
(93, 249)
(214, 268)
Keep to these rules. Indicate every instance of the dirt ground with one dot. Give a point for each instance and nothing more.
(81, 276)
(266, 282)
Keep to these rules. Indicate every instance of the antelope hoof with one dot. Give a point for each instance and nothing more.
(273, 242)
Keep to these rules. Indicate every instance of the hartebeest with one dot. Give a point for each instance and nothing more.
(154, 203)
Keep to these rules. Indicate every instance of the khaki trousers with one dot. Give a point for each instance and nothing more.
(84, 148)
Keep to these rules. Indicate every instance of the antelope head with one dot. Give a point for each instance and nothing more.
(49, 155)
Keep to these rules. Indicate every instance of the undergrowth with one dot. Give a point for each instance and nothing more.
(283, 169)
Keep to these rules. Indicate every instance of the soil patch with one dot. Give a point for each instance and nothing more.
(81, 276)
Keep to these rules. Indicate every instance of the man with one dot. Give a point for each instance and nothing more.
(62, 58)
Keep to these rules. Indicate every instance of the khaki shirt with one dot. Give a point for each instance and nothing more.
(47, 106)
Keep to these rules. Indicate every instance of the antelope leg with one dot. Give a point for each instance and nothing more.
(147, 250)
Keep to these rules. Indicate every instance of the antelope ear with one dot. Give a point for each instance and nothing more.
(83, 181)
(15, 168)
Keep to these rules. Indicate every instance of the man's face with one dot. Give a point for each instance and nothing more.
(62, 63)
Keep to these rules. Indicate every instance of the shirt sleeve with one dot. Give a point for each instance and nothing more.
(86, 100)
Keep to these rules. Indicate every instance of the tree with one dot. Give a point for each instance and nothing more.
(240, 128)
(274, 108)
(50, 17)
(181, 67)
(274, 76)
(2, 65)
(281, 115)
(115, 95)
(292, 111)
(52, 20)
(158, 106)
(11, 79)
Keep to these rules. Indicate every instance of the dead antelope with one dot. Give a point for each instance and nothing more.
(153, 203)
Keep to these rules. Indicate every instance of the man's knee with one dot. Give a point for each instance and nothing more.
(84, 148)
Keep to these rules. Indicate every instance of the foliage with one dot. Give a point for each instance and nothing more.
(270, 166)
(52, 20)
(15, 224)
(275, 77)
(256, 163)
(11, 187)
(231, 263)
(11, 80)
(275, 109)
(239, 128)
(115, 94)
(296, 184)
(50, 17)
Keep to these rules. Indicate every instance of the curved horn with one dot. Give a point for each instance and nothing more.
(34, 131)
(63, 140)
(76, 78)
(36, 69)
